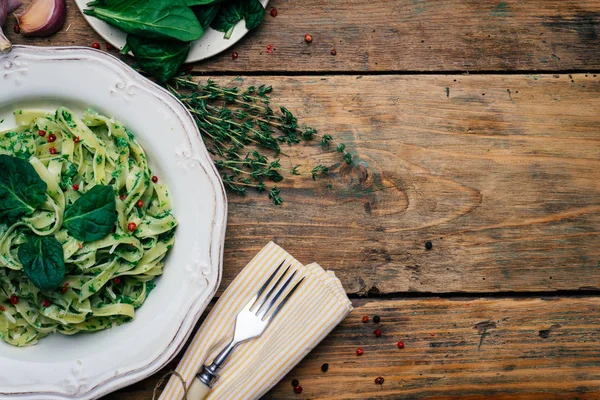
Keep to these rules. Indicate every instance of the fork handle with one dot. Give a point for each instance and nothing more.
(198, 390)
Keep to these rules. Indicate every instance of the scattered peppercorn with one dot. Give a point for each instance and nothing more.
(298, 389)
(80, 245)
(295, 382)
(140, 203)
(154, 178)
(270, 48)
(51, 138)
(377, 332)
(188, 68)
(131, 226)
(46, 303)
(13, 299)
(123, 197)
(333, 52)
(95, 45)
(76, 139)
(42, 132)
(65, 287)
(432, 334)
(273, 12)
(17, 29)
(75, 187)
(52, 150)
(365, 318)
(359, 351)
(324, 367)
(376, 319)
(117, 280)
(428, 245)
(109, 46)
(379, 380)
(400, 345)
(234, 55)
(2, 308)
(308, 38)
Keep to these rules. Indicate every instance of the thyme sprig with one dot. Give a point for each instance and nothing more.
(239, 125)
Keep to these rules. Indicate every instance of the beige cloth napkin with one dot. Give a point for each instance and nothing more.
(318, 306)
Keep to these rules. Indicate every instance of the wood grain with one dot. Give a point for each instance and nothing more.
(473, 348)
(499, 172)
(407, 35)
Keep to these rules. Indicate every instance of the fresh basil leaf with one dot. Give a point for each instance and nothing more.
(232, 13)
(156, 19)
(253, 13)
(206, 14)
(93, 215)
(21, 188)
(43, 261)
(159, 58)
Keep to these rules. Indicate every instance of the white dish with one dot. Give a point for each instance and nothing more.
(87, 366)
(210, 44)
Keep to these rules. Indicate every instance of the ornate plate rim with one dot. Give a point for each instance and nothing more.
(129, 375)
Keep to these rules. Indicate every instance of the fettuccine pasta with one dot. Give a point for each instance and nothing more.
(104, 279)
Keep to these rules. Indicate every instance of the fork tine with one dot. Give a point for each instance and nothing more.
(254, 299)
(273, 299)
(268, 295)
(285, 299)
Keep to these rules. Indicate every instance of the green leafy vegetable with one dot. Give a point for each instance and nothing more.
(93, 215)
(192, 3)
(253, 13)
(43, 261)
(21, 188)
(231, 13)
(159, 58)
(157, 19)
(206, 14)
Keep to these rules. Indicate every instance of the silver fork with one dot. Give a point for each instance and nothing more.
(248, 325)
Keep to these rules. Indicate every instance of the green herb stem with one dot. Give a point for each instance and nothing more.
(235, 122)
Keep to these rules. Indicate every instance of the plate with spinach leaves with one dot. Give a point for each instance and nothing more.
(163, 34)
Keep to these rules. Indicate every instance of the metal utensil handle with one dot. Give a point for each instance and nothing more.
(202, 383)
(209, 374)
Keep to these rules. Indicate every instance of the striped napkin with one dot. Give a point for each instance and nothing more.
(318, 306)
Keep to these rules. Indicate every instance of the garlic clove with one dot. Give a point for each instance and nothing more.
(5, 45)
(42, 17)
(6, 7)
(13, 5)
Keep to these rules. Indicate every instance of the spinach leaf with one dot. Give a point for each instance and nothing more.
(229, 15)
(192, 3)
(232, 13)
(157, 19)
(21, 188)
(253, 13)
(43, 261)
(93, 215)
(159, 58)
(206, 14)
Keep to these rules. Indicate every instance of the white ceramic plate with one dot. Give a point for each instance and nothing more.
(210, 44)
(87, 366)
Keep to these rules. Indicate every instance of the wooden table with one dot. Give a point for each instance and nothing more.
(473, 124)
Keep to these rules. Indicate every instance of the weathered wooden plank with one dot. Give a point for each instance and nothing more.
(473, 348)
(499, 172)
(408, 35)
